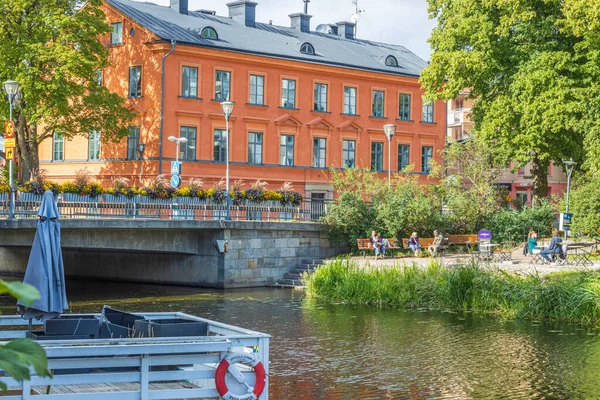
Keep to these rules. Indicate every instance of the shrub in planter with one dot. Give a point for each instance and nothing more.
(219, 196)
(237, 197)
(269, 195)
(93, 189)
(183, 192)
(256, 193)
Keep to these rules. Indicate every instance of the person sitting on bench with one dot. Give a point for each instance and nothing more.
(414, 244)
(378, 245)
(438, 240)
(553, 249)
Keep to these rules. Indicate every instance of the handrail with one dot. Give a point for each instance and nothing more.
(187, 208)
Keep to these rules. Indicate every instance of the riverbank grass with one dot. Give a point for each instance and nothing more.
(572, 297)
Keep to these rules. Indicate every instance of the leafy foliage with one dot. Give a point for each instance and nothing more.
(17, 356)
(529, 66)
(367, 203)
(53, 49)
(584, 203)
(470, 187)
(513, 225)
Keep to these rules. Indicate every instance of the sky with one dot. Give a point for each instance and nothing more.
(403, 22)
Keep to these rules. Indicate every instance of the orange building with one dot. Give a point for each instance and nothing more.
(305, 100)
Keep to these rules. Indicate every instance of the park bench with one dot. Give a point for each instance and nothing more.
(364, 245)
(463, 239)
(425, 243)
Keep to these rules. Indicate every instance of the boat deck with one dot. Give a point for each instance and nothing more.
(137, 368)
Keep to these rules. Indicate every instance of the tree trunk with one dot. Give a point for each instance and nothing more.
(27, 148)
(539, 181)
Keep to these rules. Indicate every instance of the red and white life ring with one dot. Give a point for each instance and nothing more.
(227, 365)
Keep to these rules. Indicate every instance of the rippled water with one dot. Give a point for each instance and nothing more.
(334, 351)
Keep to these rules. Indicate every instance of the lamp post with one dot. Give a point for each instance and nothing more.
(12, 90)
(141, 149)
(390, 130)
(178, 142)
(227, 107)
(569, 166)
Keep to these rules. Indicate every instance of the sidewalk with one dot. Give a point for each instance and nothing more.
(520, 264)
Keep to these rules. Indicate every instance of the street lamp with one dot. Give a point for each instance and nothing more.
(141, 149)
(177, 141)
(12, 90)
(227, 107)
(389, 130)
(569, 166)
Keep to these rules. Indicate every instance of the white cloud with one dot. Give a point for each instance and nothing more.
(403, 22)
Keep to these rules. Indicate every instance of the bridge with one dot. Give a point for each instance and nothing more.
(173, 251)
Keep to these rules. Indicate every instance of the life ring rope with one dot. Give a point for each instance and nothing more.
(227, 365)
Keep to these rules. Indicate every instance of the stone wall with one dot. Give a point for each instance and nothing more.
(174, 252)
(258, 257)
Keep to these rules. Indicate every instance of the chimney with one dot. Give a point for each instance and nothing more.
(243, 12)
(181, 6)
(301, 22)
(346, 29)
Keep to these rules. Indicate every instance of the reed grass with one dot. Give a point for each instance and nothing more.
(572, 297)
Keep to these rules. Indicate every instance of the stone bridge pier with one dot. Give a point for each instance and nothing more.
(178, 252)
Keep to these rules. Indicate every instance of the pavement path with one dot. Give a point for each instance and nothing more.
(520, 264)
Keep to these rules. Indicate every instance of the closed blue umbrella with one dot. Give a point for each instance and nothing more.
(45, 269)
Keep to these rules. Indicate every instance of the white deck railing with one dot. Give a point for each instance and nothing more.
(136, 369)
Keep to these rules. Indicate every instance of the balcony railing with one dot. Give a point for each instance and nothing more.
(458, 117)
(179, 208)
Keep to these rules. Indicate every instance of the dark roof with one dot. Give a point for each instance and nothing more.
(269, 40)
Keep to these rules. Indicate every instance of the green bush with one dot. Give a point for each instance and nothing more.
(348, 219)
(513, 225)
(584, 203)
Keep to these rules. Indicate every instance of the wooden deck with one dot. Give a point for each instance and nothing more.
(112, 387)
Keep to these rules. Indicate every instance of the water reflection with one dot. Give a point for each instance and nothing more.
(335, 351)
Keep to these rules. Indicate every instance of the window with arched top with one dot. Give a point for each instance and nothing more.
(209, 33)
(391, 61)
(307, 48)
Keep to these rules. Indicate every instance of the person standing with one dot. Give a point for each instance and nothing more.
(554, 248)
(378, 245)
(414, 244)
(438, 241)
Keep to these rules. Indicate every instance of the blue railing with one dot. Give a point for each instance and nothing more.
(190, 208)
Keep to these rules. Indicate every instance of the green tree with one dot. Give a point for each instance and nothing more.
(524, 73)
(17, 356)
(52, 48)
(469, 186)
(584, 203)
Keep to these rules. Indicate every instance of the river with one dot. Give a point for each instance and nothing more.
(336, 351)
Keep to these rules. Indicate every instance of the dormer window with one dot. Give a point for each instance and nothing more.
(307, 48)
(209, 33)
(391, 61)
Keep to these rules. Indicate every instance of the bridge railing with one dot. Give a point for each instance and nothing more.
(185, 208)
